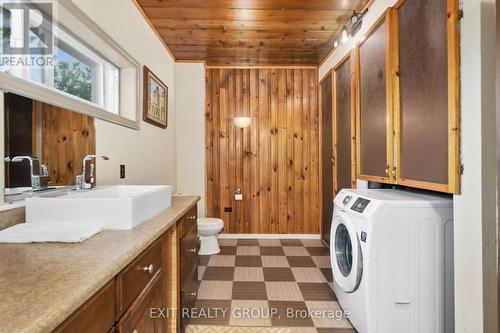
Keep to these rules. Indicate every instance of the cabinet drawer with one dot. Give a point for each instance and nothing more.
(134, 278)
(188, 221)
(137, 318)
(96, 315)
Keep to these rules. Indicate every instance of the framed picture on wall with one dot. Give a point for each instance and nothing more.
(155, 100)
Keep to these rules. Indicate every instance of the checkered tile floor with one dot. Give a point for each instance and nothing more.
(280, 281)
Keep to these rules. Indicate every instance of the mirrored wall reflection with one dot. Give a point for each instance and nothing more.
(44, 146)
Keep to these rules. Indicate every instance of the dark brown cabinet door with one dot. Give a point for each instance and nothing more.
(138, 319)
(344, 126)
(374, 111)
(423, 113)
(327, 156)
(189, 247)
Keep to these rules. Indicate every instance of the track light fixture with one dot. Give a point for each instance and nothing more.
(350, 28)
(345, 37)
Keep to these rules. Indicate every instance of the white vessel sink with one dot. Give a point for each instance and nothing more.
(120, 207)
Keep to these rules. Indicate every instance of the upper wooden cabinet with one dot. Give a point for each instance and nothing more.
(344, 110)
(374, 111)
(426, 94)
(408, 97)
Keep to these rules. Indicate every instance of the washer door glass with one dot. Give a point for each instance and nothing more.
(343, 250)
(346, 253)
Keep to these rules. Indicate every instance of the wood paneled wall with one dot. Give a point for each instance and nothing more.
(274, 161)
(67, 137)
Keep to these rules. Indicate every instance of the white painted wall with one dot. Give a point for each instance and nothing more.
(190, 107)
(474, 210)
(149, 153)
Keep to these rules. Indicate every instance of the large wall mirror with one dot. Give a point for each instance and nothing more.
(44, 146)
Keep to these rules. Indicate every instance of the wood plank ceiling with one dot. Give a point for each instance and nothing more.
(250, 32)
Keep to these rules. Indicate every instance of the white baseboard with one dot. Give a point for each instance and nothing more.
(270, 236)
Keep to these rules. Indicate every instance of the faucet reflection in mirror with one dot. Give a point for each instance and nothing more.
(39, 174)
(84, 182)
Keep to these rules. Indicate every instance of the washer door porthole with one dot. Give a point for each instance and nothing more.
(343, 250)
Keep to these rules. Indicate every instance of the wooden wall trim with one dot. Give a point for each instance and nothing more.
(274, 161)
(453, 97)
(261, 66)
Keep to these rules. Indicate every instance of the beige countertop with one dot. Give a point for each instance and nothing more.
(43, 284)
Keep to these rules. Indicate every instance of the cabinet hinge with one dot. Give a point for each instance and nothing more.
(460, 10)
(461, 169)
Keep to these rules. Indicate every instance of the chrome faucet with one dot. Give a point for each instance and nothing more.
(81, 180)
(39, 174)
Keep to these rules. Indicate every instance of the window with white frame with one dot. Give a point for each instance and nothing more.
(76, 70)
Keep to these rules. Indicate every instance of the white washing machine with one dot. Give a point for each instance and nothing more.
(392, 260)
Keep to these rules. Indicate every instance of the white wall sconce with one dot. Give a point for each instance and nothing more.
(242, 122)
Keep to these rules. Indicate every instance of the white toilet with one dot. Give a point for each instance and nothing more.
(209, 228)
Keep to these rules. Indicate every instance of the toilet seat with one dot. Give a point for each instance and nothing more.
(209, 223)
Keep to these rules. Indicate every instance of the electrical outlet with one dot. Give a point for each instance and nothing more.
(122, 171)
(228, 209)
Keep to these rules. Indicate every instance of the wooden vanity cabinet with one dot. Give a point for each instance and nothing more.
(374, 105)
(126, 300)
(189, 246)
(164, 276)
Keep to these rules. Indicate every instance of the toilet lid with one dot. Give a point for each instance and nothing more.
(210, 220)
(209, 223)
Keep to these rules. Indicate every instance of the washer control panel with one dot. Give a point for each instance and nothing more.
(360, 205)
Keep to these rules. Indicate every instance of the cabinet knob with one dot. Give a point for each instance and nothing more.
(194, 250)
(192, 294)
(149, 269)
(192, 218)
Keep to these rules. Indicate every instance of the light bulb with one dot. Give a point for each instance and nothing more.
(345, 37)
(242, 122)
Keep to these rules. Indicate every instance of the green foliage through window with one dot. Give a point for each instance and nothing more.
(74, 78)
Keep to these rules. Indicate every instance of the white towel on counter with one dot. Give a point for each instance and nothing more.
(48, 232)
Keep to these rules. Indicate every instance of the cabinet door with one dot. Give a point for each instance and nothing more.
(344, 133)
(189, 271)
(426, 114)
(327, 157)
(138, 319)
(374, 119)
